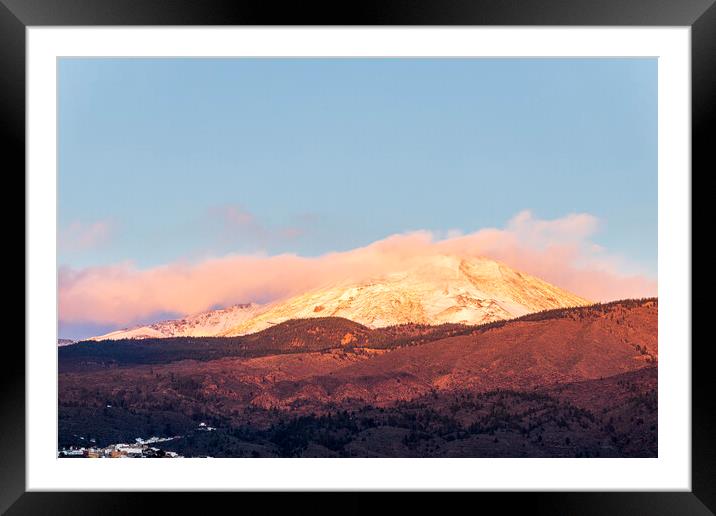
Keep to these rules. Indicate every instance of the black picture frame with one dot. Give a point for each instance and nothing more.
(16, 15)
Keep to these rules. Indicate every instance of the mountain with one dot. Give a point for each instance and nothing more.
(439, 289)
(203, 324)
(568, 382)
(540, 349)
(336, 359)
(64, 342)
(294, 336)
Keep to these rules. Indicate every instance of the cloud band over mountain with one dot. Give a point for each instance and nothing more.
(558, 251)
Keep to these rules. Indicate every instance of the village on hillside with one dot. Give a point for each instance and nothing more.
(141, 448)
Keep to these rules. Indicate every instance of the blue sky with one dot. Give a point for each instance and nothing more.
(165, 160)
(342, 152)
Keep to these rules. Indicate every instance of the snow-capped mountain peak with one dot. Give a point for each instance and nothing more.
(433, 290)
(439, 289)
(212, 322)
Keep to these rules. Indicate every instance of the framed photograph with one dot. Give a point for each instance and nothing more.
(410, 249)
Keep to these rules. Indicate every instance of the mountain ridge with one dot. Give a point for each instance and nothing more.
(434, 290)
(272, 370)
(439, 289)
(198, 325)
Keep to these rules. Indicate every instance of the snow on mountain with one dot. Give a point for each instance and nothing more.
(203, 324)
(440, 289)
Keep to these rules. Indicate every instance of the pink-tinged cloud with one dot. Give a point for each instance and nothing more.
(81, 236)
(238, 224)
(558, 251)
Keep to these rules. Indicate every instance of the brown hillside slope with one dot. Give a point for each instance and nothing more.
(577, 344)
(535, 351)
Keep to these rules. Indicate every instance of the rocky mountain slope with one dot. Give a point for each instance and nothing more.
(203, 324)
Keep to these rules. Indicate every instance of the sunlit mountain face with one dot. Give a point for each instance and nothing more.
(438, 289)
